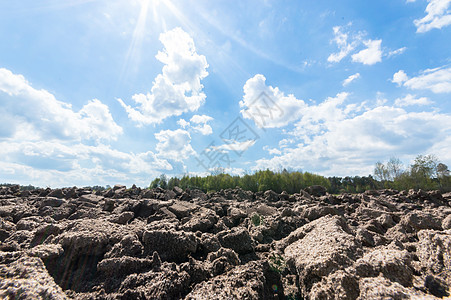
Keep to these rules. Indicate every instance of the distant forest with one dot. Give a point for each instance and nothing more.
(426, 172)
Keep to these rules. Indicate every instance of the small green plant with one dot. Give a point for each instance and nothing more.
(257, 219)
(277, 262)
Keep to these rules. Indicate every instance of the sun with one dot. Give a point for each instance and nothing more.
(152, 15)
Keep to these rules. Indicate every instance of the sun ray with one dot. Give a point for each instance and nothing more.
(177, 13)
(132, 57)
(200, 32)
(221, 28)
(156, 10)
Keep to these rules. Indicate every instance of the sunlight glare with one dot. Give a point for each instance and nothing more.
(159, 10)
(133, 53)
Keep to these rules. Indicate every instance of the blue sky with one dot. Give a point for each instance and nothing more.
(104, 92)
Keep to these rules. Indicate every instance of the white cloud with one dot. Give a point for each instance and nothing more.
(43, 141)
(352, 145)
(410, 100)
(437, 80)
(272, 151)
(268, 107)
(341, 39)
(400, 77)
(317, 119)
(200, 119)
(437, 16)
(174, 144)
(234, 146)
(183, 123)
(57, 163)
(216, 170)
(347, 42)
(38, 114)
(178, 88)
(351, 78)
(202, 126)
(199, 124)
(339, 138)
(283, 143)
(371, 55)
(441, 149)
(397, 51)
(204, 129)
(234, 171)
(99, 121)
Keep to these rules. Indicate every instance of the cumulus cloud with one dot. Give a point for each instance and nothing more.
(272, 151)
(371, 55)
(283, 143)
(236, 146)
(336, 137)
(44, 141)
(348, 42)
(351, 78)
(400, 77)
(198, 123)
(437, 80)
(57, 163)
(178, 88)
(317, 119)
(438, 15)
(342, 40)
(38, 114)
(183, 123)
(200, 119)
(174, 145)
(267, 106)
(201, 125)
(410, 100)
(352, 145)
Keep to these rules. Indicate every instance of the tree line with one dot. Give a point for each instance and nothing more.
(291, 182)
(264, 180)
(426, 173)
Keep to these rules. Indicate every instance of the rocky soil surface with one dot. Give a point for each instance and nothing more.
(184, 244)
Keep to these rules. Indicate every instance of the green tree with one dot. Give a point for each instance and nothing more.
(394, 168)
(381, 172)
(422, 171)
(155, 183)
(248, 182)
(163, 181)
(443, 177)
(173, 182)
(335, 184)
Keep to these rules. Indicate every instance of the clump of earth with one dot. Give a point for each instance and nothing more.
(133, 243)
